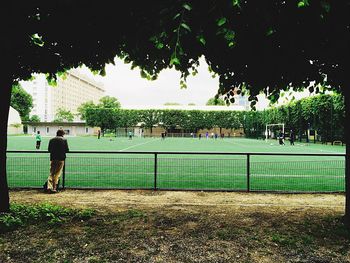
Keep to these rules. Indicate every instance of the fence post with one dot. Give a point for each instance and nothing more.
(155, 171)
(248, 172)
(64, 175)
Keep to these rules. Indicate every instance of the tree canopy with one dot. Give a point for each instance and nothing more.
(21, 101)
(215, 101)
(63, 115)
(109, 102)
(255, 46)
(249, 44)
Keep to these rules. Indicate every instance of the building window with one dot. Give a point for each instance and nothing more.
(86, 130)
(47, 130)
(34, 129)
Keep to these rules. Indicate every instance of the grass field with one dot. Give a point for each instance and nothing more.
(184, 171)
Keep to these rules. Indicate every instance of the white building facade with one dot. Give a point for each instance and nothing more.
(70, 128)
(70, 92)
(14, 123)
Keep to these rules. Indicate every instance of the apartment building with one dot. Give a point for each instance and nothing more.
(71, 91)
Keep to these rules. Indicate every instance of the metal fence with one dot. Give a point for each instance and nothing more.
(275, 172)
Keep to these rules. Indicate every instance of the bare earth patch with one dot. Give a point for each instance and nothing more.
(174, 226)
(113, 200)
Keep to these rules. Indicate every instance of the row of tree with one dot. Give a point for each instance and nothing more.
(324, 113)
(187, 120)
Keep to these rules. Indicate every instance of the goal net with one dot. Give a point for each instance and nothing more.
(270, 130)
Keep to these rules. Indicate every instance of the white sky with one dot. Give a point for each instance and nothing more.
(130, 89)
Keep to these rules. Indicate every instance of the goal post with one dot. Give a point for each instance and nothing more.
(271, 125)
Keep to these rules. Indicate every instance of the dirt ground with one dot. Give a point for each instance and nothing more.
(175, 226)
(114, 200)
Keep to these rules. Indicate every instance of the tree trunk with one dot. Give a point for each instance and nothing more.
(6, 85)
(347, 159)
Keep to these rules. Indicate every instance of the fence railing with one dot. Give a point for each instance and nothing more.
(216, 171)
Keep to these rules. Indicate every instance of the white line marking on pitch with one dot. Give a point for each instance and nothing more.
(137, 145)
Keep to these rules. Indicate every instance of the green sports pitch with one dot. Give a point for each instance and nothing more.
(203, 165)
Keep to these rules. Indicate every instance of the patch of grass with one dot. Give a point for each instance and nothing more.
(130, 214)
(307, 240)
(228, 233)
(284, 240)
(292, 240)
(96, 260)
(21, 215)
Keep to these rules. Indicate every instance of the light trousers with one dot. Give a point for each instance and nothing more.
(56, 168)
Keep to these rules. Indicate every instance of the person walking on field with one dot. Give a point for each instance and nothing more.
(281, 138)
(58, 147)
(38, 140)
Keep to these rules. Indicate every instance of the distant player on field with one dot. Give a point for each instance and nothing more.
(291, 137)
(280, 138)
(38, 140)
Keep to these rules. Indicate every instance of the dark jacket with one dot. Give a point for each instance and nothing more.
(58, 147)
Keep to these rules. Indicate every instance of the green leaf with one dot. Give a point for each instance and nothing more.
(187, 6)
(270, 31)
(236, 3)
(37, 40)
(201, 39)
(143, 74)
(229, 35)
(176, 16)
(221, 21)
(183, 86)
(175, 61)
(303, 3)
(103, 72)
(326, 6)
(186, 26)
(153, 39)
(159, 45)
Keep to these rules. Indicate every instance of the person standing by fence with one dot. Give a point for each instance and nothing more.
(58, 147)
(38, 140)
